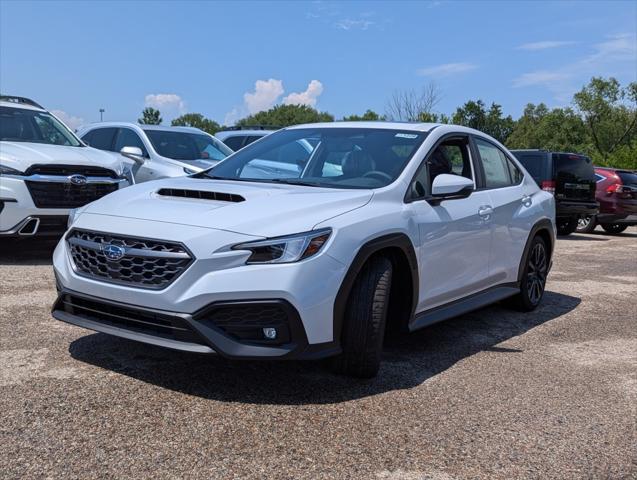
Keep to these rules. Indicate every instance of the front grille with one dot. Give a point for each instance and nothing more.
(142, 321)
(143, 263)
(66, 170)
(245, 322)
(67, 195)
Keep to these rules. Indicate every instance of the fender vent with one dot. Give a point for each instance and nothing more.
(201, 195)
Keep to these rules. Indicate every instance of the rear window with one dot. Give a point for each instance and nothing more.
(628, 178)
(577, 167)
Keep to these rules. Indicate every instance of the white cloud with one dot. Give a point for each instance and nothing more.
(69, 120)
(539, 78)
(265, 95)
(447, 69)
(354, 24)
(544, 45)
(308, 97)
(170, 102)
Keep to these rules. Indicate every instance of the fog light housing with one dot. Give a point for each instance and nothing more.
(269, 333)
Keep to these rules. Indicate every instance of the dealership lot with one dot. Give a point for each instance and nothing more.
(494, 394)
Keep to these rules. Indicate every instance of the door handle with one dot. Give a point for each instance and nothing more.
(485, 211)
(527, 200)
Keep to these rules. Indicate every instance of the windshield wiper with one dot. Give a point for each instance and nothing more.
(292, 181)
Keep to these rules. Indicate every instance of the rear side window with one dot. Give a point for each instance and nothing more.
(494, 164)
(534, 164)
(234, 142)
(101, 138)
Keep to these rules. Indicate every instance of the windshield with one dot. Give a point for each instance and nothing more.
(22, 125)
(186, 146)
(324, 157)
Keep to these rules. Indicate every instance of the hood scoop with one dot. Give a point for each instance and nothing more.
(201, 195)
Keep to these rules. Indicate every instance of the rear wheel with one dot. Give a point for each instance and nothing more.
(614, 228)
(365, 318)
(586, 224)
(533, 278)
(566, 226)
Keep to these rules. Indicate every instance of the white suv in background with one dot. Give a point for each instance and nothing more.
(238, 137)
(379, 225)
(45, 171)
(155, 151)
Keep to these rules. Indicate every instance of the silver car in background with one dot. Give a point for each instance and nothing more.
(156, 151)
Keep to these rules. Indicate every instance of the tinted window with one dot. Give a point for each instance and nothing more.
(187, 146)
(234, 142)
(533, 163)
(495, 165)
(128, 138)
(325, 157)
(628, 178)
(251, 139)
(572, 167)
(101, 138)
(23, 125)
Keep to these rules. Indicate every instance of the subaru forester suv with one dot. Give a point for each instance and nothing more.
(381, 225)
(45, 171)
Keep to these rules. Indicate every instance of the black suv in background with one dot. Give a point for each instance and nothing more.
(570, 178)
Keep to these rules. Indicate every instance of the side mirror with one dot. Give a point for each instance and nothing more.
(134, 153)
(447, 187)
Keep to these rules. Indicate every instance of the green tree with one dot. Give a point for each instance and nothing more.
(474, 114)
(150, 116)
(368, 116)
(610, 114)
(197, 120)
(559, 129)
(285, 115)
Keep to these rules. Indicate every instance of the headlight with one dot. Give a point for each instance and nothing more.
(286, 249)
(4, 170)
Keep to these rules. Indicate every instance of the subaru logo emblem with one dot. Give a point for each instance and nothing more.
(113, 252)
(78, 179)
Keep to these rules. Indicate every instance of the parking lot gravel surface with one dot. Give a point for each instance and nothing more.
(493, 394)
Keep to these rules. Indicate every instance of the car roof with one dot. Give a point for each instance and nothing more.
(24, 106)
(413, 126)
(168, 128)
(244, 133)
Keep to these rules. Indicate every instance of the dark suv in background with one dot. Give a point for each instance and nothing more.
(570, 177)
(617, 197)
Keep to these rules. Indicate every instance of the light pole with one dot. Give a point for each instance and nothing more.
(101, 114)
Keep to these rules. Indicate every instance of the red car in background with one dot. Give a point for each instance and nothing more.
(616, 193)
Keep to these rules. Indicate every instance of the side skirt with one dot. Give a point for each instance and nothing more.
(464, 305)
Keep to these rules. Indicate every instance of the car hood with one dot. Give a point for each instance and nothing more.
(268, 209)
(22, 155)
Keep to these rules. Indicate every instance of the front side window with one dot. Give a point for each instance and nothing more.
(128, 138)
(324, 157)
(187, 146)
(494, 164)
(23, 125)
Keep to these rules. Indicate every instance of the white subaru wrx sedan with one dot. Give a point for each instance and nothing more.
(375, 226)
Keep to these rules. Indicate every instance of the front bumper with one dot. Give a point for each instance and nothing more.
(308, 287)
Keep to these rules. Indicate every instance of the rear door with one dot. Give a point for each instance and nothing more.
(574, 177)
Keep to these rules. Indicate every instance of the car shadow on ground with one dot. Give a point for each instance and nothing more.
(583, 236)
(408, 360)
(28, 251)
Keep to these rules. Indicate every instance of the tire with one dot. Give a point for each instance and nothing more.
(614, 228)
(533, 278)
(365, 318)
(586, 224)
(566, 226)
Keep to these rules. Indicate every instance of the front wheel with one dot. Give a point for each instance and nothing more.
(365, 318)
(614, 228)
(533, 278)
(586, 224)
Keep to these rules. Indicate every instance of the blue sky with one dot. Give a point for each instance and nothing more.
(228, 59)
